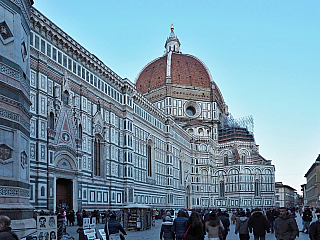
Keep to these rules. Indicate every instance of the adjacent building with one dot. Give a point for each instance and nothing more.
(286, 196)
(311, 192)
(99, 141)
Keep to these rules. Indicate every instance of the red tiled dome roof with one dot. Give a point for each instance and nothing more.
(185, 70)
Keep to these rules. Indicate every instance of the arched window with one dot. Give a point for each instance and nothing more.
(65, 97)
(51, 121)
(97, 157)
(221, 189)
(225, 159)
(149, 160)
(256, 188)
(244, 159)
(42, 191)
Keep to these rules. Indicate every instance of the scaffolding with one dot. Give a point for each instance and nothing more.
(231, 129)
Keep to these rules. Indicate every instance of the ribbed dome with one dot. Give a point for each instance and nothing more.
(184, 70)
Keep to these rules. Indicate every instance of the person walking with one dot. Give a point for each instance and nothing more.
(307, 218)
(271, 216)
(214, 227)
(314, 229)
(259, 224)
(167, 229)
(242, 226)
(113, 227)
(5, 229)
(194, 227)
(179, 225)
(285, 226)
(224, 218)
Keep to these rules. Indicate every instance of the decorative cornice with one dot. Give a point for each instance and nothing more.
(64, 42)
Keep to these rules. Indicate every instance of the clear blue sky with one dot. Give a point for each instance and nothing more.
(264, 56)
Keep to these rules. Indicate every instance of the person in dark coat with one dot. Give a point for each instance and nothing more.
(307, 218)
(179, 225)
(224, 218)
(259, 223)
(112, 228)
(71, 217)
(285, 226)
(314, 229)
(195, 227)
(271, 216)
(5, 229)
(79, 219)
(167, 229)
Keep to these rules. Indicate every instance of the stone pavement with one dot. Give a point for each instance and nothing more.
(154, 232)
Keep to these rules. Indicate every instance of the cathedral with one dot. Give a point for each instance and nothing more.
(95, 140)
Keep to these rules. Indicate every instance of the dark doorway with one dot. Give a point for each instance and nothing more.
(64, 193)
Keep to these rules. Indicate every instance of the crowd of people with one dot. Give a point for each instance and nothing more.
(216, 224)
(195, 225)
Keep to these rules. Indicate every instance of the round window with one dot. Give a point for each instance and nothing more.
(191, 111)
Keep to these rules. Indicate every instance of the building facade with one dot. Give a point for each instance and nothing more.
(285, 195)
(311, 189)
(98, 141)
(14, 113)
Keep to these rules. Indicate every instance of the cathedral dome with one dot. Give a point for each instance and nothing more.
(177, 69)
(184, 69)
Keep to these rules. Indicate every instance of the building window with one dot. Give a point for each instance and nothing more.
(244, 159)
(80, 131)
(65, 97)
(42, 191)
(180, 172)
(225, 159)
(233, 180)
(97, 157)
(149, 160)
(51, 121)
(221, 189)
(257, 188)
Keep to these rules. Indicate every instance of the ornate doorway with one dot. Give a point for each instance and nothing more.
(64, 196)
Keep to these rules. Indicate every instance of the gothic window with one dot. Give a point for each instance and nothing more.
(65, 97)
(221, 189)
(42, 190)
(244, 159)
(149, 160)
(97, 157)
(51, 121)
(257, 188)
(225, 160)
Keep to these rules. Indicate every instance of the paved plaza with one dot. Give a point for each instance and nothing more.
(154, 232)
